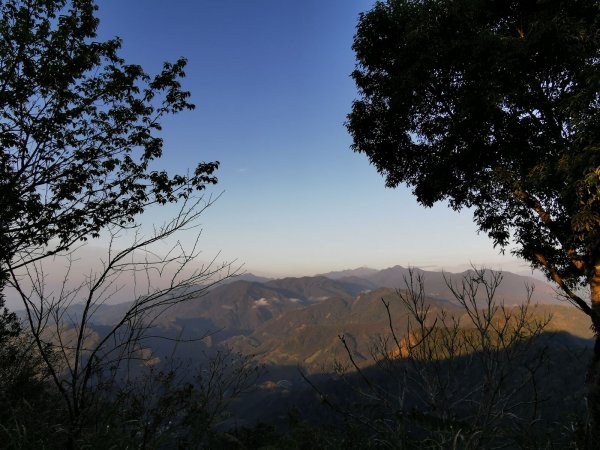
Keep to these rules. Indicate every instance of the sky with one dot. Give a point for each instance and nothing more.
(272, 87)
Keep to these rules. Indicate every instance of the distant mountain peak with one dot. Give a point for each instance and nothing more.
(511, 291)
(359, 272)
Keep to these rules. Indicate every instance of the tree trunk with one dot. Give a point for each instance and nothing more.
(593, 375)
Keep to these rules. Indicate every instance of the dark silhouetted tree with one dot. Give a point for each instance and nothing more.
(79, 132)
(495, 106)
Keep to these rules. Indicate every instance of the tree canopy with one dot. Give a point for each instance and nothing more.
(79, 128)
(491, 105)
(79, 139)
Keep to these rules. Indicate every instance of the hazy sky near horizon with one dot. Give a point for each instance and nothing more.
(271, 82)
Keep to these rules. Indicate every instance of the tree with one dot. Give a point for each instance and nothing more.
(84, 356)
(79, 132)
(495, 106)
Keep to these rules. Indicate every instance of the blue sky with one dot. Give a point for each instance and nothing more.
(271, 82)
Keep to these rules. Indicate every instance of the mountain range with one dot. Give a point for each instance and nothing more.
(299, 321)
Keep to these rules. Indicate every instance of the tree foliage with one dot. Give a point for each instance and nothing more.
(491, 105)
(79, 141)
(79, 129)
